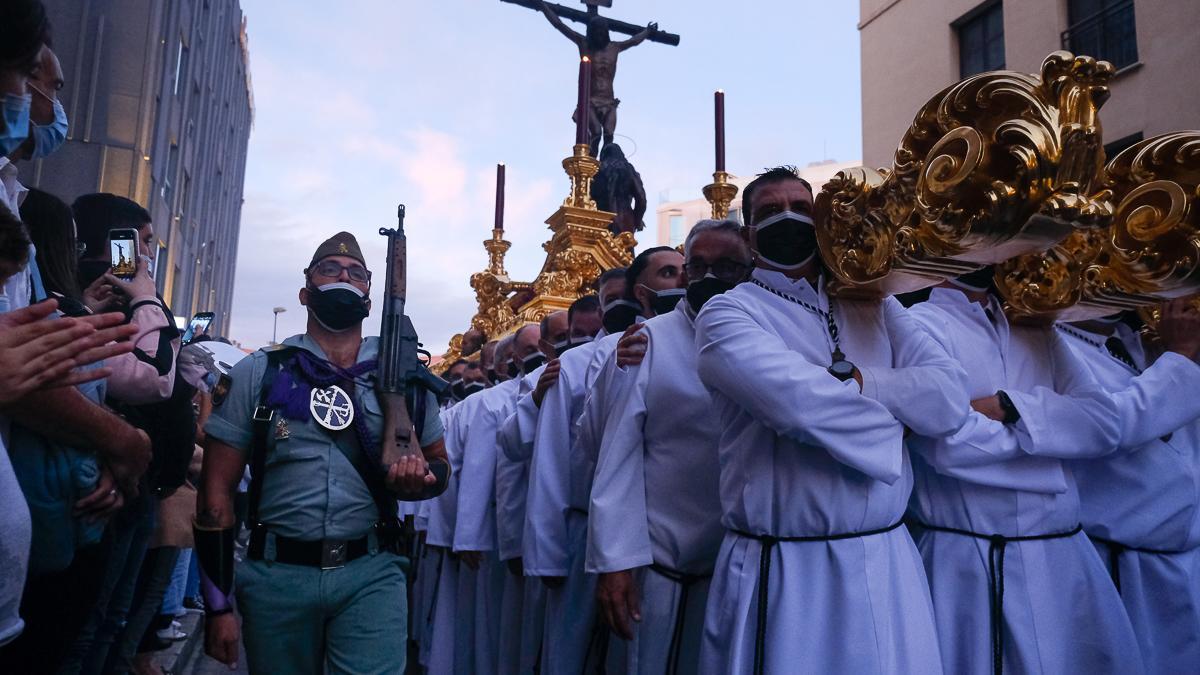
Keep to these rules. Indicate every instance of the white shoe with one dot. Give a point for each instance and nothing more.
(171, 633)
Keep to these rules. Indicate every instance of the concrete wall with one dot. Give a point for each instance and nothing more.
(167, 132)
(910, 52)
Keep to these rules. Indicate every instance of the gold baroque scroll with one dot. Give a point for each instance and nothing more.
(998, 165)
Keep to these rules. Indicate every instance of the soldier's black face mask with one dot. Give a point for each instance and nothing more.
(473, 388)
(338, 306)
(459, 390)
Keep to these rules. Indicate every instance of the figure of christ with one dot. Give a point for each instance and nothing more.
(599, 47)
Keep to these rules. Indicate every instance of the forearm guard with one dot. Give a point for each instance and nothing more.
(440, 468)
(214, 552)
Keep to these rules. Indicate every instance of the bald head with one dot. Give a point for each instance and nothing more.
(503, 358)
(556, 330)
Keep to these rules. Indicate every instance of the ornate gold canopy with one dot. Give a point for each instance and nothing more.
(1002, 168)
(580, 248)
(1007, 169)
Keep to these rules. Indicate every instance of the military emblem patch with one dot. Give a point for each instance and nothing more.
(331, 407)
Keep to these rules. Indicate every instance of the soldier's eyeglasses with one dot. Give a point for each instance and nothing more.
(723, 269)
(333, 269)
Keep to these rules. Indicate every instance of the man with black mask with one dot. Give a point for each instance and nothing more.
(556, 515)
(812, 395)
(322, 588)
(655, 518)
(487, 361)
(454, 375)
(475, 532)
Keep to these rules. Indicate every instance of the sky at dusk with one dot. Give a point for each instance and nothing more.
(364, 104)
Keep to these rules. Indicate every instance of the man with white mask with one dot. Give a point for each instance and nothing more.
(1141, 507)
(1001, 541)
(816, 573)
(654, 525)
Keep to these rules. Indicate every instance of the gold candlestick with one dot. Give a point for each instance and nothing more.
(582, 168)
(720, 194)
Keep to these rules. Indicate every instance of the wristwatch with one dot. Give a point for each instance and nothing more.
(1011, 414)
(842, 369)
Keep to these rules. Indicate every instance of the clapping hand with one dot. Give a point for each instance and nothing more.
(39, 352)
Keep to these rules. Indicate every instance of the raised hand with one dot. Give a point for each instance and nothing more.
(548, 378)
(631, 348)
(1179, 327)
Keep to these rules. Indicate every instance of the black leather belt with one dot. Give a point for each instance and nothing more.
(326, 554)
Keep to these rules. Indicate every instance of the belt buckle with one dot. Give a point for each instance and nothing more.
(333, 554)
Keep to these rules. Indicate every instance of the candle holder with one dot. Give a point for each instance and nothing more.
(496, 247)
(720, 194)
(582, 168)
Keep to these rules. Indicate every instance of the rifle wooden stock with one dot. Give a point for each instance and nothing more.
(399, 437)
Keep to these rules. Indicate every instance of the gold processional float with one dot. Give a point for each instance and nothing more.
(1002, 168)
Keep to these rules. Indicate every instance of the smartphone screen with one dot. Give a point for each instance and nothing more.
(123, 252)
(197, 326)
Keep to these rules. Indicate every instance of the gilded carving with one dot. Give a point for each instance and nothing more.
(580, 248)
(997, 165)
(1149, 252)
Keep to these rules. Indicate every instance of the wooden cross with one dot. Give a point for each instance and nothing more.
(593, 9)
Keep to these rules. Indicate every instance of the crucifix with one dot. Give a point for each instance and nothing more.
(596, 44)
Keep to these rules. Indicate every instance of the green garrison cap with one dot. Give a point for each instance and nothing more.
(342, 243)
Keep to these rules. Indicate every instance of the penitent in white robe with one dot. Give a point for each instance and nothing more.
(805, 455)
(1142, 508)
(475, 529)
(655, 507)
(437, 651)
(555, 519)
(1060, 612)
(523, 604)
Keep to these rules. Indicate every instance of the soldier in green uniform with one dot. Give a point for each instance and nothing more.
(321, 589)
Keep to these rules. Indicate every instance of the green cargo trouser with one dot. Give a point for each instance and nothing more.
(298, 620)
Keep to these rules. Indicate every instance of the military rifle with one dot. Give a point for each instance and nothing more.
(401, 373)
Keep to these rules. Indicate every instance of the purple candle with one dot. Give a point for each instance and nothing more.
(719, 102)
(500, 196)
(583, 108)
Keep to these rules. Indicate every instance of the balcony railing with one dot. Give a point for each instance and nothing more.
(1109, 34)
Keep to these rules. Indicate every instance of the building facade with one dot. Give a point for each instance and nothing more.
(912, 49)
(674, 217)
(160, 104)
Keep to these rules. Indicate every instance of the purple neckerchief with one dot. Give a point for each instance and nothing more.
(291, 398)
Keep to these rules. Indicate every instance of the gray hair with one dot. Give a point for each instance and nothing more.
(712, 225)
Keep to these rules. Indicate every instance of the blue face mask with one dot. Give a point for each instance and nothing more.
(48, 138)
(16, 122)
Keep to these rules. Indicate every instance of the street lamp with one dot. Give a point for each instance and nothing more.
(275, 328)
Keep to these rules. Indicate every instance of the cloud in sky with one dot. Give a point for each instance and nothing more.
(365, 104)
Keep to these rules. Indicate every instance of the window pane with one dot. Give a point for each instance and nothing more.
(981, 41)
